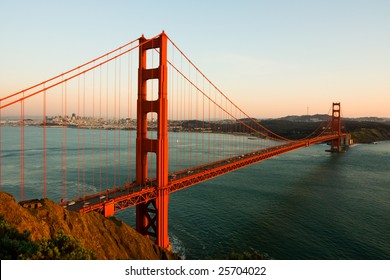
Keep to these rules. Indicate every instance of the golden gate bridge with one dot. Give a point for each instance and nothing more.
(187, 131)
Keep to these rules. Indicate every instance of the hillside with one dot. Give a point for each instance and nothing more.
(361, 131)
(107, 238)
(368, 131)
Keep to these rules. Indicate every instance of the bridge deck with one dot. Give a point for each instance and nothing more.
(135, 193)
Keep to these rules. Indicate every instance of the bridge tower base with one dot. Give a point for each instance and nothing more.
(152, 216)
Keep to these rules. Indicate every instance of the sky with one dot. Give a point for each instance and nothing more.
(272, 58)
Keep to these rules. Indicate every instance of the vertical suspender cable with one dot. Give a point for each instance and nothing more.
(85, 189)
(178, 137)
(203, 120)
(100, 129)
(231, 136)
(78, 137)
(180, 109)
(119, 120)
(231, 127)
(190, 114)
(196, 119)
(129, 122)
(209, 129)
(238, 129)
(217, 144)
(64, 154)
(175, 116)
(107, 126)
(115, 121)
(223, 138)
(22, 149)
(93, 124)
(44, 143)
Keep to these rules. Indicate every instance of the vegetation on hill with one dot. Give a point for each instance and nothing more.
(368, 131)
(19, 246)
(52, 232)
(361, 131)
(365, 130)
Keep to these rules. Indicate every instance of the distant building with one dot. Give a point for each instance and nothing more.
(33, 203)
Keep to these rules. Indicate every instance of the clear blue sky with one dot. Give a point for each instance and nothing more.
(273, 58)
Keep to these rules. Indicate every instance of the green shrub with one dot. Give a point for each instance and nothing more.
(15, 245)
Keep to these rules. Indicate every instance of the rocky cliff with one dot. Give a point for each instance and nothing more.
(108, 238)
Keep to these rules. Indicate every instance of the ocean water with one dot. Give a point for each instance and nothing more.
(306, 204)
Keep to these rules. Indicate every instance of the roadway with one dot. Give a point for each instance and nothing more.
(135, 193)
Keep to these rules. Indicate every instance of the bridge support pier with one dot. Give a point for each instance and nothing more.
(152, 216)
(109, 208)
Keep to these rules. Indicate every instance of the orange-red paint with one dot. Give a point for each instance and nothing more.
(152, 216)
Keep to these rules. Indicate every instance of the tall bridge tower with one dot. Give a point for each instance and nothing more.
(152, 216)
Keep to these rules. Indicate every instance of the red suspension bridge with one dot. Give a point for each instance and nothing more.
(99, 107)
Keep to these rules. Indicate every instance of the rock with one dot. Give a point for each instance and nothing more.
(109, 238)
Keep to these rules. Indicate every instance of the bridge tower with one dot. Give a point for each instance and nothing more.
(152, 216)
(336, 127)
(339, 144)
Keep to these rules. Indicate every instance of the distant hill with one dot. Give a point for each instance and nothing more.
(306, 118)
(361, 131)
(106, 238)
(322, 117)
(368, 131)
(369, 119)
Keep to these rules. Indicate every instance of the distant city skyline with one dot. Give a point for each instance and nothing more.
(272, 58)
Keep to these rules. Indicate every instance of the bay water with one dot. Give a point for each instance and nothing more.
(306, 204)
